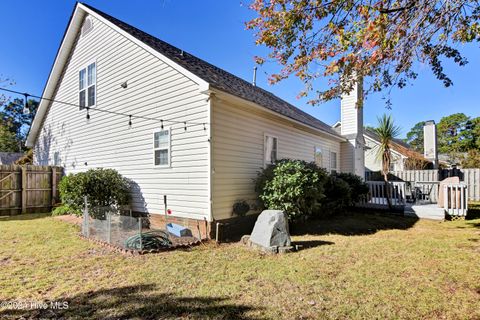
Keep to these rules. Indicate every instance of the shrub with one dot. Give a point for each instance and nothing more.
(294, 186)
(358, 188)
(104, 188)
(337, 196)
(65, 209)
(303, 189)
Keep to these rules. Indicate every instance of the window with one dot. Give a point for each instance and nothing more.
(161, 148)
(333, 161)
(270, 148)
(87, 80)
(318, 157)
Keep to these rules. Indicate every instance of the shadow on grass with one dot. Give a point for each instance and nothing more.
(307, 244)
(141, 302)
(25, 216)
(353, 224)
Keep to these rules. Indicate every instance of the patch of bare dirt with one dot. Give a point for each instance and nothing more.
(70, 219)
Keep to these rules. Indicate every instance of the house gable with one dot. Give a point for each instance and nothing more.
(156, 90)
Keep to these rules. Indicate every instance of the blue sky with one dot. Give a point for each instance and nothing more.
(214, 31)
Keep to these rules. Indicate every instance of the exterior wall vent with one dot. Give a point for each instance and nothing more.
(87, 26)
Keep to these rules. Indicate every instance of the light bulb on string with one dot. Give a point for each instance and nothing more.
(88, 113)
(130, 121)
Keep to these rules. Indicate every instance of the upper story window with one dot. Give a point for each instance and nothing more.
(161, 148)
(87, 80)
(333, 161)
(318, 156)
(270, 149)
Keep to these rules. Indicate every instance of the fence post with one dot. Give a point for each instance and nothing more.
(86, 215)
(109, 227)
(140, 232)
(54, 185)
(24, 189)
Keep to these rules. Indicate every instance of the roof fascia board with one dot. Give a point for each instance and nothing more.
(55, 73)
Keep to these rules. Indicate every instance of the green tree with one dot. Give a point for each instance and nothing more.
(8, 140)
(476, 132)
(14, 117)
(382, 41)
(415, 137)
(455, 134)
(471, 160)
(387, 131)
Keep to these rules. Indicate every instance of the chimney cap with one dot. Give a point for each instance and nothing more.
(429, 122)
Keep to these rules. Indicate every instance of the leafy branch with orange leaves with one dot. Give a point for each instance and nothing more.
(380, 40)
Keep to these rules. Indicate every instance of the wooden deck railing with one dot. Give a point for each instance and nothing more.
(378, 192)
(455, 200)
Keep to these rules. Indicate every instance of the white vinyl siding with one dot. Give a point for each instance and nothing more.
(238, 151)
(154, 90)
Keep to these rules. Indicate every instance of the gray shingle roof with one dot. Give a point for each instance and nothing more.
(221, 79)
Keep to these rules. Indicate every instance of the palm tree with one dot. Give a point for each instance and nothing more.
(386, 131)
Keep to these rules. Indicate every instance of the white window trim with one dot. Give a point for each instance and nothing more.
(169, 147)
(265, 134)
(85, 66)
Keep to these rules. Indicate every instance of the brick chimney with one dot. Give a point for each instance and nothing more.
(430, 151)
(352, 151)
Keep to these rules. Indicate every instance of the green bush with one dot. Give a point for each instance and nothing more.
(294, 186)
(303, 189)
(337, 196)
(65, 209)
(104, 188)
(358, 187)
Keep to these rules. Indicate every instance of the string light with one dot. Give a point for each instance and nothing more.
(25, 106)
(204, 127)
(26, 111)
(130, 121)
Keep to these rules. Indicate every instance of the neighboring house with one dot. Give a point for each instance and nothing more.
(403, 157)
(233, 128)
(9, 157)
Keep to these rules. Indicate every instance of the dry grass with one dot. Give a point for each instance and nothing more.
(363, 266)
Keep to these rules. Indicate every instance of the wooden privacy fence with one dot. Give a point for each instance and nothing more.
(28, 189)
(468, 177)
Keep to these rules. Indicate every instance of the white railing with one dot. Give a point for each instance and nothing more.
(455, 199)
(377, 196)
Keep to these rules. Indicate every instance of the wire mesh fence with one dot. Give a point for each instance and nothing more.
(131, 231)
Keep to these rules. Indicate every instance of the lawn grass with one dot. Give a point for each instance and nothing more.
(360, 266)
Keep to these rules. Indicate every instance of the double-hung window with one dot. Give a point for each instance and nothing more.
(318, 157)
(270, 149)
(161, 148)
(333, 161)
(87, 80)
